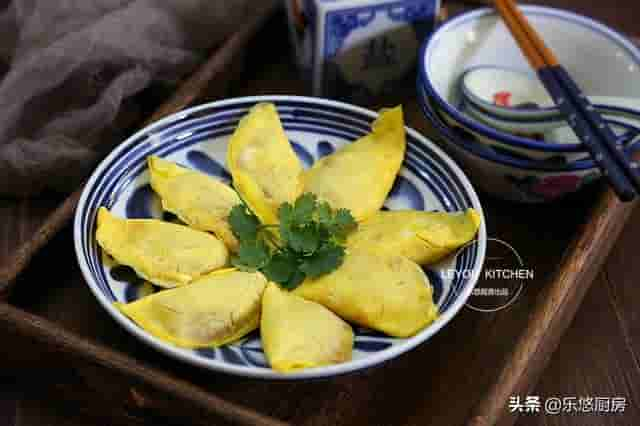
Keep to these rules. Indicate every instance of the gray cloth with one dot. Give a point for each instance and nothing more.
(73, 65)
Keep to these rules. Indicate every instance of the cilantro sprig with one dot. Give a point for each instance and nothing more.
(309, 241)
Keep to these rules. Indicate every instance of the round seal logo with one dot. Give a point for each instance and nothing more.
(502, 278)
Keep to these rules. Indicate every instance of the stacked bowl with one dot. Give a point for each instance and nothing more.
(513, 164)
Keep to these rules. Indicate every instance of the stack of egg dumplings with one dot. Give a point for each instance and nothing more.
(380, 284)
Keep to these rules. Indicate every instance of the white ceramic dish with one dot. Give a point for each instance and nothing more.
(197, 137)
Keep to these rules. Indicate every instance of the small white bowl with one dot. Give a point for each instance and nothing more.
(517, 102)
(507, 93)
(516, 96)
(603, 62)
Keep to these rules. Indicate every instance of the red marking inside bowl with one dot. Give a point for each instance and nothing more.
(502, 99)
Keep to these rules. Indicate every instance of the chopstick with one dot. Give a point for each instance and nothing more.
(586, 122)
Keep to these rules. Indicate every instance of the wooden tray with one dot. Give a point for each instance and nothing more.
(463, 376)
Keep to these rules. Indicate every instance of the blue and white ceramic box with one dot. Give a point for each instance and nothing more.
(359, 49)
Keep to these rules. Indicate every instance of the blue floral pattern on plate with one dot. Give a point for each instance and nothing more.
(324, 148)
(302, 153)
(202, 162)
(143, 203)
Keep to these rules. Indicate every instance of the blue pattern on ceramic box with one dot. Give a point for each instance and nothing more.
(363, 48)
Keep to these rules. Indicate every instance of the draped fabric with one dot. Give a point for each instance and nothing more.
(70, 67)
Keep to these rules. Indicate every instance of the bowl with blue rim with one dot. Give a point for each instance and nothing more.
(603, 62)
(197, 138)
(505, 174)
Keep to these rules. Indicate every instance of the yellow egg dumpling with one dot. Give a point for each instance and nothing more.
(388, 293)
(265, 169)
(199, 200)
(360, 175)
(424, 237)
(166, 254)
(216, 309)
(297, 333)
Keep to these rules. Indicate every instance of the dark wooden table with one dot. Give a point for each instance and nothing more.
(597, 357)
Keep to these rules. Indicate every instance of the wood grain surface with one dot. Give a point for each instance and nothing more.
(555, 308)
(440, 383)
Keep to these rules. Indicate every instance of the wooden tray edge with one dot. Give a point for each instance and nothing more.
(60, 340)
(555, 307)
(554, 310)
(185, 95)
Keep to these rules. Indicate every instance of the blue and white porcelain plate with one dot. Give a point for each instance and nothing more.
(197, 138)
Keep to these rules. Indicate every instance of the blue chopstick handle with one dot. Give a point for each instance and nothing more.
(600, 154)
(630, 167)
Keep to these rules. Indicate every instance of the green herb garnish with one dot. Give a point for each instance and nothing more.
(309, 241)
